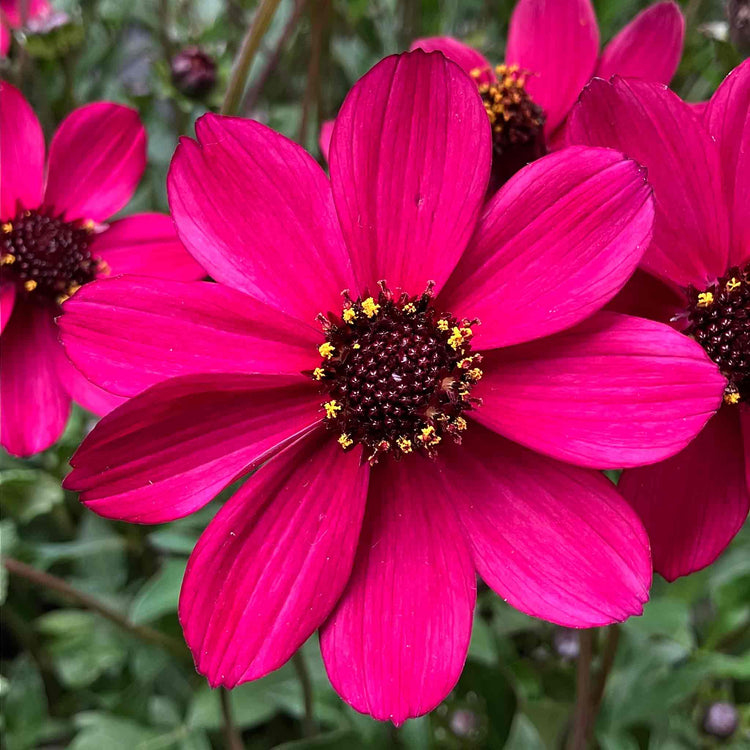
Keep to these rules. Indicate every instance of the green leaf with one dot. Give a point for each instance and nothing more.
(28, 493)
(160, 594)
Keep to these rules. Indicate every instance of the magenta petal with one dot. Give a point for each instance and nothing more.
(96, 159)
(694, 503)
(558, 43)
(147, 245)
(649, 47)
(270, 567)
(128, 333)
(256, 211)
(650, 124)
(614, 391)
(728, 120)
(396, 643)
(466, 57)
(553, 540)
(7, 300)
(324, 139)
(645, 296)
(83, 391)
(21, 153)
(167, 452)
(4, 39)
(410, 160)
(554, 245)
(34, 406)
(745, 424)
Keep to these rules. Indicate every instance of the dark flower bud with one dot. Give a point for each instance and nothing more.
(193, 72)
(721, 720)
(739, 25)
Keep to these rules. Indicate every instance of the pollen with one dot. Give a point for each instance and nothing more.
(30, 285)
(370, 307)
(475, 374)
(394, 385)
(705, 299)
(326, 350)
(732, 284)
(332, 408)
(7, 227)
(731, 395)
(7, 259)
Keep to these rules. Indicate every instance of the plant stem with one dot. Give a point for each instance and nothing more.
(231, 735)
(303, 675)
(608, 659)
(64, 589)
(255, 90)
(319, 12)
(582, 717)
(250, 45)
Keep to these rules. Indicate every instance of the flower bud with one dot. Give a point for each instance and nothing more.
(193, 72)
(721, 720)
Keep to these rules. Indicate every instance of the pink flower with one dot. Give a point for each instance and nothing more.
(696, 274)
(397, 461)
(10, 18)
(52, 242)
(553, 50)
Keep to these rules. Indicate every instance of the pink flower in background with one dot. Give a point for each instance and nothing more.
(404, 446)
(553, 50)
(10, 18)
(52, 242)
(696, 275)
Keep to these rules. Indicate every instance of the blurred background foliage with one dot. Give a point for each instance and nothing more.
(73, 678)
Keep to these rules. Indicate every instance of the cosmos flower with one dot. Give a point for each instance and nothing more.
(696, 275)
(53, 241)
(553, 50)
(404, 446)
(10, 18)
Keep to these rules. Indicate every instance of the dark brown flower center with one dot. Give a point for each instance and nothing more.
(719, 320)
(517, 122)
(397, 372)
(45, 256)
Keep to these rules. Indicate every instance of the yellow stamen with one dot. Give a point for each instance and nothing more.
(731, 395)
(404, 444)
(326, 350)
(705, 299)
(89, 225)
(456, 338)
(460, 424)
(370, 307)
(475, 72)
(733, 284)
(442, 325)
(410, 308)
(345, 441)
(331, 408)
(349, 314)
(7, 259)
(7, 227)
(428, 436)
(30, 285)
(476, 374)
(319, 373)
(356, 346)
(103, 267)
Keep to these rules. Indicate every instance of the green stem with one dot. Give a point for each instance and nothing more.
(64, 589)
(582, 715)
(250, 45)
(608, 659)
(231, 735)
(303, 675)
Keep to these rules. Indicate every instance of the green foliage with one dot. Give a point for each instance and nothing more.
(73, 679)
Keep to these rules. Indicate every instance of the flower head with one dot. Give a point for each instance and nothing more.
(696, 276)
(53, 241)
(396, 461)
(37, 11)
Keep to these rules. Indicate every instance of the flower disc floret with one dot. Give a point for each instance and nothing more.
(398, 373)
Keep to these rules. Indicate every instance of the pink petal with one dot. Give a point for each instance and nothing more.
(146, 244)
(21, 153)
(34, 9)
(649, 47)
(558, 43)
(553, 540)
(34, 405)
(324, 139)
(694, 503)
(466, 57)
(652, 125)
(96, 159)
(256, 211)
(270, 567)
(167, 452)
(728, 120)
(648, 297)
(745, 424)
(614, 391)
(4, 40)
(7, 300)
(410, 160)
(83, 391)
(554, 245)
(396, 643)
(128, 333)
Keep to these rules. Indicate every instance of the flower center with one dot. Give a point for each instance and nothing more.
(45, 255)
(517, 122)
(398, 373)
(719, 320)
